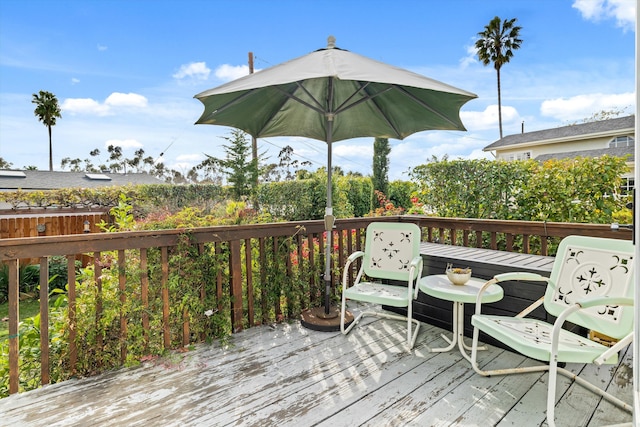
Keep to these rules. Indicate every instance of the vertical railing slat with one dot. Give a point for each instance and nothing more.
(14, 320)
(166, 334)
(71, 294)
(44, 320)
(97, 268)
(235, 269)
(263, 280)
(122, 286)
(144, 295)
(248, 265)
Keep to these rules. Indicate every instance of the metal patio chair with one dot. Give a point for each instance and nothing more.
(591, 285)
(391, 253)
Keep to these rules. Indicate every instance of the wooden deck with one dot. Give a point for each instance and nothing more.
(283, 375)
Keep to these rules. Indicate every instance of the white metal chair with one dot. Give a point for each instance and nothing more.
(591, 285)
(392, 252)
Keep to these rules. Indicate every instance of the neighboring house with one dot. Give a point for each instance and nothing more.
(35, 180)
(31, 180)
(615, 137)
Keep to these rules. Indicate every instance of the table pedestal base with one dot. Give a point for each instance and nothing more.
(458, 333)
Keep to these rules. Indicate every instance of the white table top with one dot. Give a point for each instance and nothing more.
(440, 287)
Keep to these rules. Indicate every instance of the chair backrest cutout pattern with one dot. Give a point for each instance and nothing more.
(389, 249)
(592, 267)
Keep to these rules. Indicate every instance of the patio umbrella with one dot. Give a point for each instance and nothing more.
(332, 95)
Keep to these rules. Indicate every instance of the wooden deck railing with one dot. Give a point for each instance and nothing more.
(253, 262)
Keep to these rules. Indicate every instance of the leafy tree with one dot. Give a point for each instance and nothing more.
(496, 45)
(381, 150)
(47, 110)
(5, 164)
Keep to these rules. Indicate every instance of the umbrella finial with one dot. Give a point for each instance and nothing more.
(331, 42)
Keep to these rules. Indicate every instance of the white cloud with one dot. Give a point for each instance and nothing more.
(124, 143)
(584, 106)
(84, 106)
(75, 81)
(193, 70)
(102, 48)
(471, 57)
(623, 11)
(117, 99)
(228, 72)
(113, 102)
(488, 119)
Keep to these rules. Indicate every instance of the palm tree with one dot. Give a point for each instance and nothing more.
(47, 110)
(496, 45)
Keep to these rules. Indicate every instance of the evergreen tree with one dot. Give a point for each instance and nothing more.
(381, 150)
(241, 170)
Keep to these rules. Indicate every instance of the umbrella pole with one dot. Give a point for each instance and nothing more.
(327, 319)
(329, 221)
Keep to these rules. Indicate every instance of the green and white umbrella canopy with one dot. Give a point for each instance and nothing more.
(332, 95)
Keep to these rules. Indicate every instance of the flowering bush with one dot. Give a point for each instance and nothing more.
(386, 207)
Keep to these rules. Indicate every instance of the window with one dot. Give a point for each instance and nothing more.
(525, 155)
(12, 174)
(621, 141)
(628, 184)
(97, 176)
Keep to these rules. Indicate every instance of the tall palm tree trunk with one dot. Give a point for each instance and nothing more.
(50, 151)
(499, 103)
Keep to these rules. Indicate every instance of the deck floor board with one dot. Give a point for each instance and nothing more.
(286, 375)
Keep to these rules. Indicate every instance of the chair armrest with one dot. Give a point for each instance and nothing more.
(416, 265)
(481, 291)
(520, 275)
(354, 256)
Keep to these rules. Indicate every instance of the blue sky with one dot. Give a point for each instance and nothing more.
(125, 72)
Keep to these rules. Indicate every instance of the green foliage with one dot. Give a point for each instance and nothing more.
(58, 272)
(400, 193)
(357, 191)
(121, 214)
(381, 150)
(241, 170)
(570, 190)
(29, 350)
(582, 190)
(293, 200)
(29, 280)
(470, 188)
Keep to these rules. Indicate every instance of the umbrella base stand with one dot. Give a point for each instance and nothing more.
(316, 319)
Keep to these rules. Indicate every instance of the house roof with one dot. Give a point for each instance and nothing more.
(11, 180)
(571, 132)
(615, 152)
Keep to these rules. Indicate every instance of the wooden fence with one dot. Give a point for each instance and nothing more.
(14, 225)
